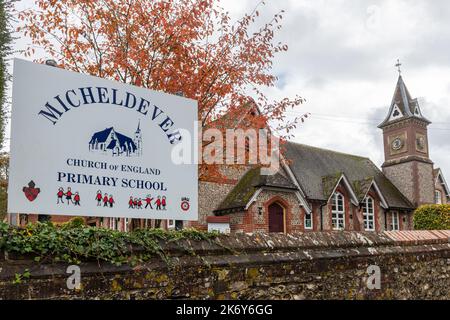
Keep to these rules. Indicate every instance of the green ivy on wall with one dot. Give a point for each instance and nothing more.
(73, 242)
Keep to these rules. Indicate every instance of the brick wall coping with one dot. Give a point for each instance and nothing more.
(404, 237)
(261, 242)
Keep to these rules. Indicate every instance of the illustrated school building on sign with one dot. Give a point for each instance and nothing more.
(115, 143)
(316, 189)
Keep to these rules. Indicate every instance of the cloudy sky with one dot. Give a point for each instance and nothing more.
(341, 60)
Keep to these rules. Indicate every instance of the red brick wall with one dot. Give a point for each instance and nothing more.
(246, 221)
(53, 218)
(316, 209)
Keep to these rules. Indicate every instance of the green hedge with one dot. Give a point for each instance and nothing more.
(432, 217)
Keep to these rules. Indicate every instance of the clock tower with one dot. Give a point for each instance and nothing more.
(407, 163)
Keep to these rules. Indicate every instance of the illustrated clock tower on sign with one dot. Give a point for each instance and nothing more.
(407, 162)
(138, 139)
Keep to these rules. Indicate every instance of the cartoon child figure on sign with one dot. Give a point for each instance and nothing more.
(69, 195)
(139, 203)
(130, 203)
(111, 201)
(76, 198)
(60, 195)
(98, 197)
(163, 202)
(148, 201)
(158, 203)
(105, 200)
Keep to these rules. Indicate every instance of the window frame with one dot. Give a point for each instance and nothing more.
(112, 223)
(367, 214)
(437, 195)
(310, 227)
(337, 215)
(395, 221)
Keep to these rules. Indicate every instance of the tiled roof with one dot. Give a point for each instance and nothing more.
(403, 100)
(436, 172)
(241, 194)
(318, 170)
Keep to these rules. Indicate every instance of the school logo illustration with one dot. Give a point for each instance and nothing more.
(185, 204)
(31, 192)
(111, 142)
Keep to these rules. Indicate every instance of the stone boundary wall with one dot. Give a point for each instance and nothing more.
(325, 265)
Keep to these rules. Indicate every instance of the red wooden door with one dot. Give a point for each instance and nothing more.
(276, 218)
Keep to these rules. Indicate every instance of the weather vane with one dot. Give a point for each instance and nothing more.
(398, 65)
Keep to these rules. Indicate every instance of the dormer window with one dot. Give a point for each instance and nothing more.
(368, 214)
(337, 211)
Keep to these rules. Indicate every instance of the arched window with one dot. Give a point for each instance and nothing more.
(368, 214)
(437, 197)
(338, 211)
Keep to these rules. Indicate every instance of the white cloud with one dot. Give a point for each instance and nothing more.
(341, 59)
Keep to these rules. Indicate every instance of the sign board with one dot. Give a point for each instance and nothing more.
(86, 146)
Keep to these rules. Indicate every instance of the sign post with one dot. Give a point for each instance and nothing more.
(86, 146)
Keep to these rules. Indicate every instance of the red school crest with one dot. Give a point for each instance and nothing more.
(185, 204)
(31, 192)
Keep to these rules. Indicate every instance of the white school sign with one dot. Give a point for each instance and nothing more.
(86, 146)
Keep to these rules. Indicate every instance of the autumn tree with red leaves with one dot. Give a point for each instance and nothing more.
(184, 46)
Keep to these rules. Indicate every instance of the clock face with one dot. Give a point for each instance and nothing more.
(421, 143)
(397, 144)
